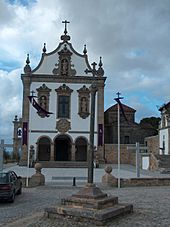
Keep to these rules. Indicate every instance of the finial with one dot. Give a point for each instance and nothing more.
(16, 118)
(100, 62)
(44, 48)
(28, 59)
(100, 70)
(27, 68)
(85, 50)
(65, 37)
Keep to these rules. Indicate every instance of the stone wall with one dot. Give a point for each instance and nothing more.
(153, 148)
(135, 182)
(152, 144)
(127, 156)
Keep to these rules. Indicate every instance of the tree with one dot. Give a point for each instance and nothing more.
(153, 121)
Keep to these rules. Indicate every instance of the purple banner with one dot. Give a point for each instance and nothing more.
(100, 134)
(25, 133)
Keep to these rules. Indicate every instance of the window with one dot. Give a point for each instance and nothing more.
(63, 106)
(126, 140)
(64, 96)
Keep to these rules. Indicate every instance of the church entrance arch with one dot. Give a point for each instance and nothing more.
(62, 148)
(81, 149)
(44, 149)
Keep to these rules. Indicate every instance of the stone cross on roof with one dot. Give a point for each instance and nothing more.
(65, 22)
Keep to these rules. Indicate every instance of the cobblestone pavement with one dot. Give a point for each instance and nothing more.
(151, 207)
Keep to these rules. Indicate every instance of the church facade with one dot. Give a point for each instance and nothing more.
(57, 105)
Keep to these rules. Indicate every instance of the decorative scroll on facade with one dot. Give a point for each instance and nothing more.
(84, 99)
(43, 98)
(64, 67)
(63, 125)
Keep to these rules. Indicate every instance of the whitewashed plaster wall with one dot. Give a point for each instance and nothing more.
(164, 136)
(79, 125)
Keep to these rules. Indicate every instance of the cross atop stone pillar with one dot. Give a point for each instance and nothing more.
(93, 70)
(92, 126)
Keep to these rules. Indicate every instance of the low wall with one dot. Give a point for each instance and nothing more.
(135, 182)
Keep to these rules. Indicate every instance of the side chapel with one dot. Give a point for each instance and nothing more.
(164, 130)
(56, 106)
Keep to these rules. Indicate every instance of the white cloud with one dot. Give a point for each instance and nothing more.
(10, 100)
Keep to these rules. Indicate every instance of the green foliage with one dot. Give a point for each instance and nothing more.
(153, 121)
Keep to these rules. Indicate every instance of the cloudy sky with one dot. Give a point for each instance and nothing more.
(132, 36)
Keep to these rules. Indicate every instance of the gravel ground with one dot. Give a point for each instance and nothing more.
(151, 207)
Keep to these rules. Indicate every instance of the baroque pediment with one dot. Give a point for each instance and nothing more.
(64, 67)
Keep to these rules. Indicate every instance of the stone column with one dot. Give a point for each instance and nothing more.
(25, 112)
(100, 117)
(36, 152)
(52, 152)
(73, 152)
(16, 138)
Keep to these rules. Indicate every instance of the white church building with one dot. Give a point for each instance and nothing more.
(56, 106)
(164, 130)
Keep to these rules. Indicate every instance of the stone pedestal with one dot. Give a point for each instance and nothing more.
(108, 178)
(38, 178)
(91, 204)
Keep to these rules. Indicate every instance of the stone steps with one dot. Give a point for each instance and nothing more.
(63, 164)
(163, 161)
(89, 204)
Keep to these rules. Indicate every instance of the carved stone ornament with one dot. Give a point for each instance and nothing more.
(43, 98)
(64, 67)
(64, 90)
(84, 98)
(63, 125)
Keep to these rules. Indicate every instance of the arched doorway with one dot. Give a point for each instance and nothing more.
(62, 146)
(44, 149)
(81, 149)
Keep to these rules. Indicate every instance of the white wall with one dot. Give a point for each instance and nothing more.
(164, 136)
(78, 124)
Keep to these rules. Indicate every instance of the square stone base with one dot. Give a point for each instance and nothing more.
(91, 204)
